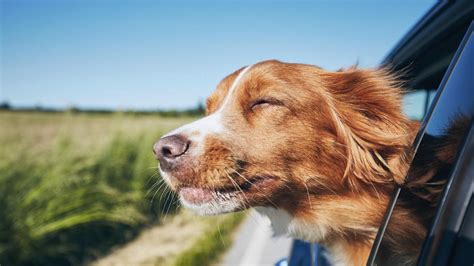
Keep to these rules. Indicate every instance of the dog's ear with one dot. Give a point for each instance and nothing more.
(366, 110)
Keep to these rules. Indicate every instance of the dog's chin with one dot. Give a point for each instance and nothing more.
(229, 198)
(210, 202)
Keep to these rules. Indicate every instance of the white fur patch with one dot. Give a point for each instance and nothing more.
(216, 206)
(337, 256)
(280, 219)
(165, 177)
(208, 124)
(232, 88)
(284, 223)
(222, 203)
(196, 132)
(212, 124)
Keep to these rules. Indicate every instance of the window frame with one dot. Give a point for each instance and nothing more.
(426, 253)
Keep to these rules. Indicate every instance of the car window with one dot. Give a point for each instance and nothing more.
(448, 119)
(415, 103)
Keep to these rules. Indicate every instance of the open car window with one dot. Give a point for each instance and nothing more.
(450, 116)
(416, 103)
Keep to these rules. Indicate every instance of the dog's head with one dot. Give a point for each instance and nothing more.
(276, 132)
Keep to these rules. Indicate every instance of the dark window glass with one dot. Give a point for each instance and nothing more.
(439, 143)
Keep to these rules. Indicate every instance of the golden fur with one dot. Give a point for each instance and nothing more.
(325, 147)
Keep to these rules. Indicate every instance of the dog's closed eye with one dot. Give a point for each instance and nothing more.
(263, 103)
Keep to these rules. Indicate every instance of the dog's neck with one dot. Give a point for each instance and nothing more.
(347, 227)
(330, 232)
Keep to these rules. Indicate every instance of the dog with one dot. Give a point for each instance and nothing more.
(316, 151)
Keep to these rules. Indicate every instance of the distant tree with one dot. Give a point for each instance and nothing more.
(5, 106)
(72, 110)
(201, 109)
(196, 111)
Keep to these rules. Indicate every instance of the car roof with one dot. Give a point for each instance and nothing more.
(425, 52)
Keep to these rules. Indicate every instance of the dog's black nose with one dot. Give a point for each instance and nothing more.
(169, 148)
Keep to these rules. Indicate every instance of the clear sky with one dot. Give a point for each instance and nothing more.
(156, 54)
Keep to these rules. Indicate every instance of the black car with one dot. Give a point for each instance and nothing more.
(437, 59)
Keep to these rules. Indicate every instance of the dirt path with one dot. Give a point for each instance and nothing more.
(159, 244)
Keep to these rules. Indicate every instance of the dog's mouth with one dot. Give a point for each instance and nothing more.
(246, 192)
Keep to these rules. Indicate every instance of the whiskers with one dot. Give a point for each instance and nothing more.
(237, 187)
(167, 198)
(252, 183)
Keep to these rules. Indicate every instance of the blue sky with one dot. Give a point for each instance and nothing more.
(155, 54)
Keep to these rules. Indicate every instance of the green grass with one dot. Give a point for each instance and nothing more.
(212, 244)
(73, 185)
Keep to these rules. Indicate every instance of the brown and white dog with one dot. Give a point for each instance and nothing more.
(318, 152)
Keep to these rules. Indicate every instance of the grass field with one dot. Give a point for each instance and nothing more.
(74, 185)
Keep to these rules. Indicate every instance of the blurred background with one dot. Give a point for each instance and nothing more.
(87, 86)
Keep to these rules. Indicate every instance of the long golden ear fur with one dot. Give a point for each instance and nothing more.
(367, 114)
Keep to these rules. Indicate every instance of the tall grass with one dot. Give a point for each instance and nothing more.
(73, 186)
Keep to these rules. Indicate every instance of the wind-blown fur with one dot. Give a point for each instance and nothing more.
(320, 152)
